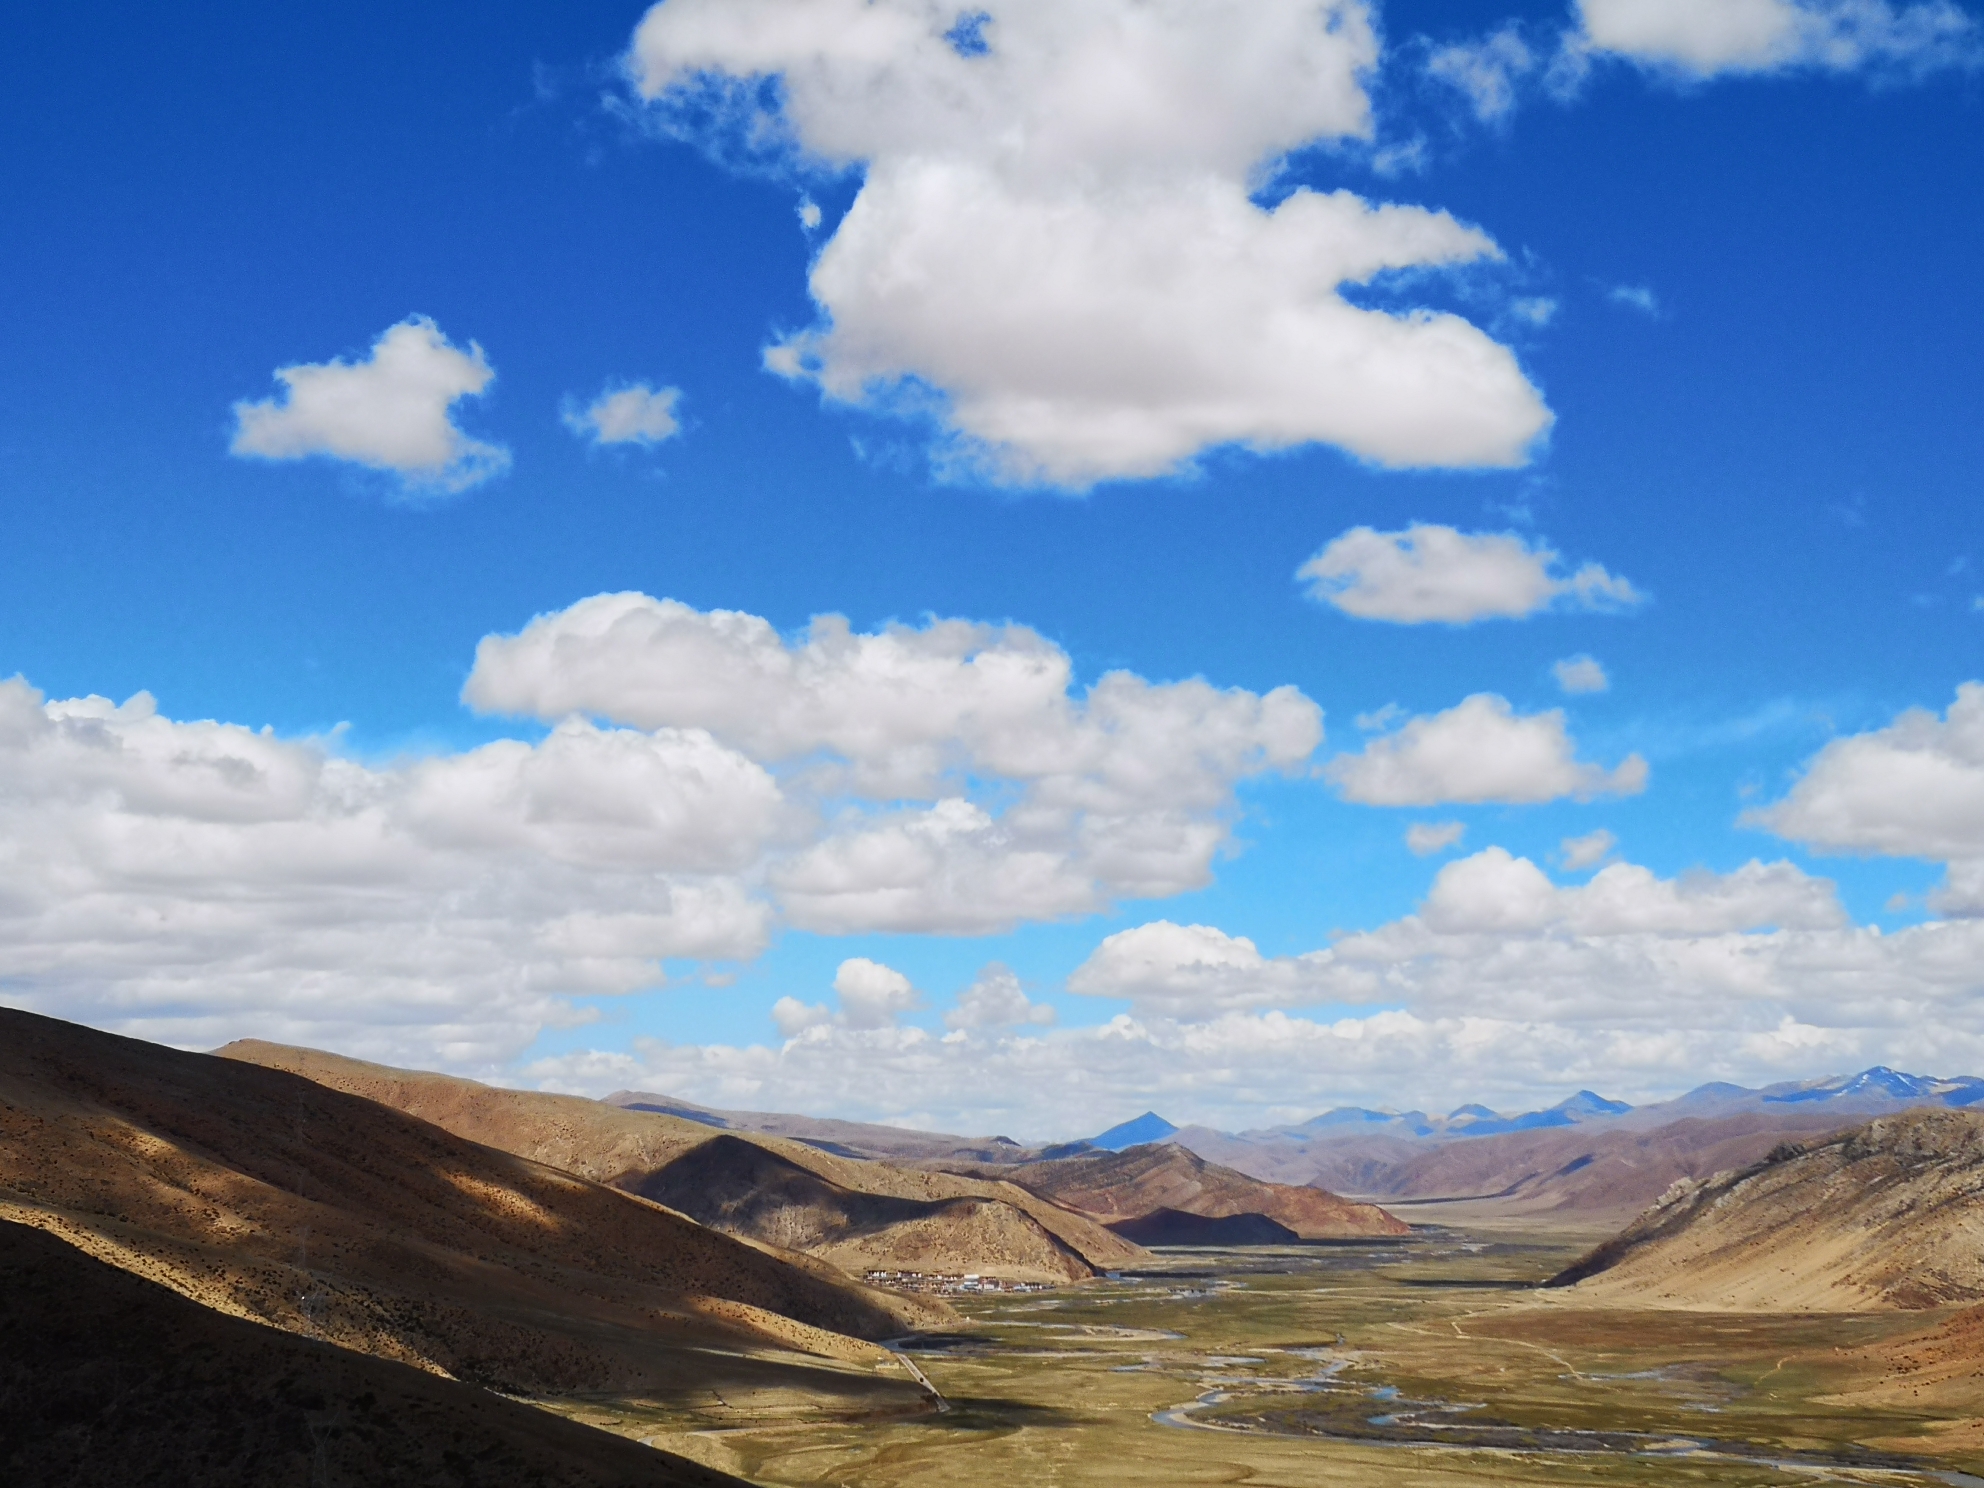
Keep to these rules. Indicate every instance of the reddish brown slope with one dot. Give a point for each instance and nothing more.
(268, 1196)
(1115, 1186)
(842, 1138)
(1024, 1236)
(741, 1188)
(1597, 1174)
(107, 1378)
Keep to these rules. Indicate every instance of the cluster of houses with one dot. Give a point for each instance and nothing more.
(950, 1285)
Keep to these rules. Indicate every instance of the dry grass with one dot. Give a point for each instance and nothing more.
(1063, 1389)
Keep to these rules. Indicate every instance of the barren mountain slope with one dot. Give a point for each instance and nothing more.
(742, 1188)
(626, 1149)
(1887, 1215)
(1162, 1175)
(1604, 1172)
(843, 1138)
(1347, 1164)
(268, 1196)
(108, 1378)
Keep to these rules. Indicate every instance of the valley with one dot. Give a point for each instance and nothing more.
(1418, 1361)
(307, 1268)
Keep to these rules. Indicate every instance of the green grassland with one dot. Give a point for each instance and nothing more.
(1427, 1361)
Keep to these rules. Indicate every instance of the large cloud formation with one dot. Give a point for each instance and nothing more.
(174, 879)
(1914, 789)
(1503, 986)
(1056, 245)
(1125, 791)
(177, 878)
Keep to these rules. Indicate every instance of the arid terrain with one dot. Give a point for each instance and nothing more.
(1125, 1186)
(269, 1197)
(187, 1394)
(323, 1271)
(844, 1138)
(1887, 1215)
(1409, 1363)
(858, 1213)
(1585, 1162)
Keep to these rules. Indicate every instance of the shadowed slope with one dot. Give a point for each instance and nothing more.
(267, 1196)
(628, 1148)
(741, 1188)
(107, 1378)
(842, 1138)
(1114, 1186)
(1887, 1215)
(1175, 1227)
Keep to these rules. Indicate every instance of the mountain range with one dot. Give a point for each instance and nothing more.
(1872, 1090)
(1587, 1161)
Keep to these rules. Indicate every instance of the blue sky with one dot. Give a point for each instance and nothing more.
(1743, 286)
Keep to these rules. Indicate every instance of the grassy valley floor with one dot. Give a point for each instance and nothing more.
(1420, 1361)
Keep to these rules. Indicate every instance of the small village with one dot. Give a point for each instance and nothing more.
(941, 1284)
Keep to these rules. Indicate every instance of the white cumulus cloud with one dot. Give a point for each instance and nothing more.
(873, 995)
(1428, 573)
(195, 880)
(1914, 789)
(1480, 750)
(635, 414)
(1492, 928)
(996, 1000)
(1426, 838)
(1124, 790)
(794, 1017)
(1588, 851)
(391, 411)
(1503, 988)
(1580, 674)
(1707, 37)
(1056, 247)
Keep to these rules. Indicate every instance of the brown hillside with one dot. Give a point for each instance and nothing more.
(741, 1188)
(1887, 1215)
(842, 1138)
(1114, 1186)
(1345, 1164)
(1607, 1173)
(626, 1148)
(266, 1196)
(107, 1378)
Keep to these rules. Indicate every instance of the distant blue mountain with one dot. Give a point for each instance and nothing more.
(1415, 1123)
(1149, 1127)
(1585, 1105)
(1879, 1082)
(1463, 1121)
(1871, 1092)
